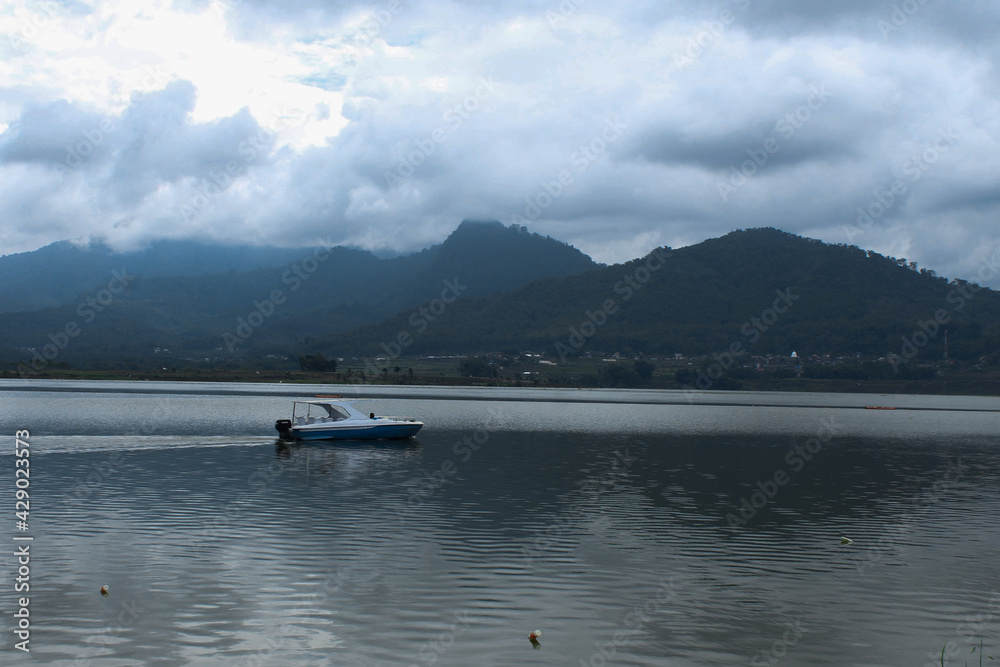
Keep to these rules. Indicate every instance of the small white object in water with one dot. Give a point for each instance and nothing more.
(104, 590)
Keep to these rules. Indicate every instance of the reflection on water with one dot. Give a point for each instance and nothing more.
(240, 549)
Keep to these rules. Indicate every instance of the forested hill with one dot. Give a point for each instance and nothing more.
(321, 291)
(764, 289)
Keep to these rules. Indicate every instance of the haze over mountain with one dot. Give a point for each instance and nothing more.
(61, 272)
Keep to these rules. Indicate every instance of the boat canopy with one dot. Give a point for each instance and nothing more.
(326, 410)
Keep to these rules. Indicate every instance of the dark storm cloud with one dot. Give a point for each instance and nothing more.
(812, 125)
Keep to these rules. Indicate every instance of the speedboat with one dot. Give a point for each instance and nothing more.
(340, 420)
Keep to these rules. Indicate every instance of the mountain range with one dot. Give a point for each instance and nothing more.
(487, 287)
(760, 291)
(197, 300)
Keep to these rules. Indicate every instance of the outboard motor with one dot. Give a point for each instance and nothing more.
(284, 428)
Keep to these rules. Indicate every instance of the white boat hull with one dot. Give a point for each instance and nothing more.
(375, 431)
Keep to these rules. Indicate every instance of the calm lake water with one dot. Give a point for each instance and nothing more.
(630, 527)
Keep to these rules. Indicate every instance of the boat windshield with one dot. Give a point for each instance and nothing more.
(333, 412)
(320, 411)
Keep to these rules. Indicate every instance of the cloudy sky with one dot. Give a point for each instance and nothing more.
(616, 128)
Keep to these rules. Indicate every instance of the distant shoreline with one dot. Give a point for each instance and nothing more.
(986, 385)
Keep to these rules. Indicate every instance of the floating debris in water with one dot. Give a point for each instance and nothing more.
(535, 635)
(846, 540)
(104, 590)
